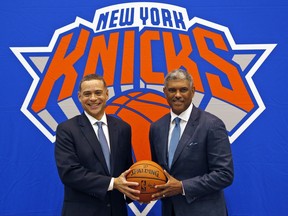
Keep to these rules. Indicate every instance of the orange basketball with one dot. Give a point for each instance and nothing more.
(148, 174)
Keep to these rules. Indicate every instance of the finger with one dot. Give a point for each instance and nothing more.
(132, 191)
(167, 174)
(132, 196)
(161, 187)
(157, 196)
(132, 184)
(125, 173)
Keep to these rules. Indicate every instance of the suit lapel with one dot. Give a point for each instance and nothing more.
(90, 135)
(113, 135)
(162, 144)
(187, 134)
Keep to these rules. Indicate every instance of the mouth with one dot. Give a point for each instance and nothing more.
(177, 102)
(94, 106)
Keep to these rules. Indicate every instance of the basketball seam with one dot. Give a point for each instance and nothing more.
(146, 178)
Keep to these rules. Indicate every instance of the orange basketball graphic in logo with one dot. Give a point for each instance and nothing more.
(139, 110)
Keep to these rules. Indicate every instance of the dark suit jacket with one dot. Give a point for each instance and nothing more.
(202, 161)
(82, 168)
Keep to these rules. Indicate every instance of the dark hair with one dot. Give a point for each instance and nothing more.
(91, 77)
(178, 74)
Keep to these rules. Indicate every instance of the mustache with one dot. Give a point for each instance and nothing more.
(178, 99)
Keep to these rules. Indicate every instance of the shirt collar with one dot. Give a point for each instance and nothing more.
(185, 115)
(93, 120)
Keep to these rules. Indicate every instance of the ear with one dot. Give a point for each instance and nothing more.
(164, 89)
(79, 96)
(193, 91)
(166, 92)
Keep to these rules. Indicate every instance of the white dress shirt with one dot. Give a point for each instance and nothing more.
(106, 132)
(184, 116)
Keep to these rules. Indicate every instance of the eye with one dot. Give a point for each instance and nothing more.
(183, 90)
(98, 93)
(171, 90)
(86, 94)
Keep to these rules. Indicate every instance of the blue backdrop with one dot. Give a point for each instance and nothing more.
(29, 183)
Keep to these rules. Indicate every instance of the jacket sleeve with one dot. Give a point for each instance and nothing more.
(219, 168)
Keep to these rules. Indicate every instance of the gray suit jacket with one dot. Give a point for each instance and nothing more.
(202, 161)
(83, 170)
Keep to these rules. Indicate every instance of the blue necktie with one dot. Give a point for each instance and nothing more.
(104, 144)
(175, 136)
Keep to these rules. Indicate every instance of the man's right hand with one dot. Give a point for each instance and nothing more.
(124, 186)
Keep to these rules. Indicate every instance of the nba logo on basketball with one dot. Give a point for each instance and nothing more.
(143, 185)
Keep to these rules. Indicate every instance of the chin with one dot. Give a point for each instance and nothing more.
(177, 111)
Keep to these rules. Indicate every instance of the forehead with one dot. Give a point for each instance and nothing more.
(92, 85)
(179, 83)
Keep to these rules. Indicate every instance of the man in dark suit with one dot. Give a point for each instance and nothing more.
(201, 165)
(94, 184)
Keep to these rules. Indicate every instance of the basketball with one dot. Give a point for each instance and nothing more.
(148, 174)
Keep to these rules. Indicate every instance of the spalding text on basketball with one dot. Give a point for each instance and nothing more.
(149, 171)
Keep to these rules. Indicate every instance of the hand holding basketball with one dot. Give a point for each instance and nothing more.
(173, 187)
(148, 174)
(125, 187)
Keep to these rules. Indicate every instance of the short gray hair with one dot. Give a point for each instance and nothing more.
(178, 74)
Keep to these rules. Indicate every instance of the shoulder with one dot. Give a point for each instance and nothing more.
(69, 121)
(76, 120)
(208, 118)
(162, 121)
(117, 121)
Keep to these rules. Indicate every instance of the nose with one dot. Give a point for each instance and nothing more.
(178, 94)
(93, 96)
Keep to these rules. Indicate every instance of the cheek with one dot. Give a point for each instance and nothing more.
(188, 96)
(169, 100)
(169, 96)
(83, 101)
(103, 98)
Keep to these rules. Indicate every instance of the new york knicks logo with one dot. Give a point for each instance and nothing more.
(134, 45)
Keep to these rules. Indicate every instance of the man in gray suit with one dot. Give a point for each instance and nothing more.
(200, 166)
(94, 181)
